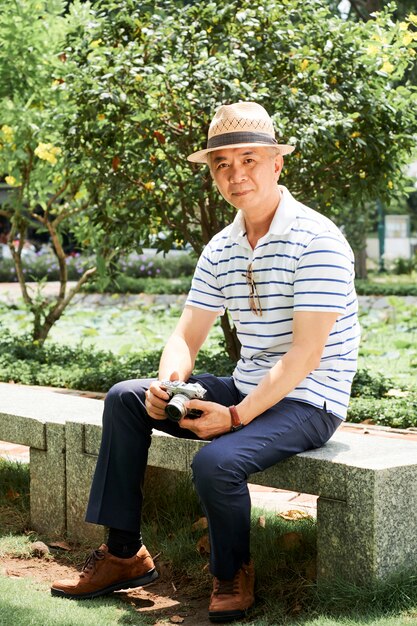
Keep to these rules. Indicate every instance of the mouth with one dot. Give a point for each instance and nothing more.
(241, 193)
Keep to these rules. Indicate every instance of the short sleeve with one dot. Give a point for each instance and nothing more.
(324, 275)
(205, 292)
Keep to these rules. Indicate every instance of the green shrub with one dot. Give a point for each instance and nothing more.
(150, 285)
(7, 271)
(369, 288)
(393, 412)
(23, 361)
(370, 385)
(404, 266)
(43, 264)
(172, 265)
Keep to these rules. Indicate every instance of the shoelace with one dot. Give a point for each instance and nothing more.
(95, 555)
(227, 587)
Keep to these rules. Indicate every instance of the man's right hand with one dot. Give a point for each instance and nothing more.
(156, 401)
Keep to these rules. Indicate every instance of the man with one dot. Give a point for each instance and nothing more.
(285, 273)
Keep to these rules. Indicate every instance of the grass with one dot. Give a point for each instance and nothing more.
(284, 554)
(24, 603)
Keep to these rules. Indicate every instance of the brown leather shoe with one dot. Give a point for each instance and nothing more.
(103, 573)
(231, 599)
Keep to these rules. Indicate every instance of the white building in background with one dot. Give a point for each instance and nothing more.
(399, 243)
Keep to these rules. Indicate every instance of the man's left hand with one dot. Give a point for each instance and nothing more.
(215, 419)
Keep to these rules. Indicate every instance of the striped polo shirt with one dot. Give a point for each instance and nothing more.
(303, 263)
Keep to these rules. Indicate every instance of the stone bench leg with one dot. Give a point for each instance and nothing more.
(47, 483)
(372, 534)
(80, 466)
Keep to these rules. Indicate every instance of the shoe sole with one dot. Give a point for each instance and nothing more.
(227, 616)
(148, 578)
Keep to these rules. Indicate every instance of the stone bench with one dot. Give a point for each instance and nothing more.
(36, 417)
(367, 486)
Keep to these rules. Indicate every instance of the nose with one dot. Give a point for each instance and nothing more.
(237, 173)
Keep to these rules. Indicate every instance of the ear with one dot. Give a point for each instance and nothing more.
(278, 164)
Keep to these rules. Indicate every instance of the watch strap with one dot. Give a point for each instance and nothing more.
(236, 421)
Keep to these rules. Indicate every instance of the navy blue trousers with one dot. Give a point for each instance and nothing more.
(220, 469)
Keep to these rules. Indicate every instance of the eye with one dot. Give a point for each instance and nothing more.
(249, 160)
(221, 166)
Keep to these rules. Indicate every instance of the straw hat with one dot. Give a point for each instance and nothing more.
(243, 124)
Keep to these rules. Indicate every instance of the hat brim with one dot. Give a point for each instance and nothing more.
(201, 155)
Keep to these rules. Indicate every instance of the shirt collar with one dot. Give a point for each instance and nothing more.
(284, 217)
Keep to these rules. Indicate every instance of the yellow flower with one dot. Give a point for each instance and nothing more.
(390, 184)
(236, 81)
(337, 144)
(372, 49)
(362, 174)
(304, 64)
(355, 134)
(333, 80)
(294, 90)
(413, 18)
(377, 37)
(95, 43)
(101, 117)
(81, 193)
(47, 152)
(407, 39)
(150, 185)
(10, 180)
(387, 67)
(403, 26)
(8, 133)
(138, 78)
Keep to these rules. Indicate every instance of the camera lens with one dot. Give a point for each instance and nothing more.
(175, 408)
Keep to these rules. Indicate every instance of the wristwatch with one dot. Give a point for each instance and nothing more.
(236, 421)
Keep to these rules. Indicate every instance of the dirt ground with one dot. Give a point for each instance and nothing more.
(160, 600)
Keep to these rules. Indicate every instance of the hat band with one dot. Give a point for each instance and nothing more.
(236, 138)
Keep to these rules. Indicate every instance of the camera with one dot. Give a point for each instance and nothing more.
(179, 394)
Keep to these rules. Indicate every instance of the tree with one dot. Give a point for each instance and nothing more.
(46, 193)
(148, 77)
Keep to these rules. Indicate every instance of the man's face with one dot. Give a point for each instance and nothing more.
(247, 177)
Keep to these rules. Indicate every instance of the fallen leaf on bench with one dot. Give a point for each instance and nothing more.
(291, 541)
(61, 545)
(294, 514)
(203, 545)
(261, 521)
(200, 524)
